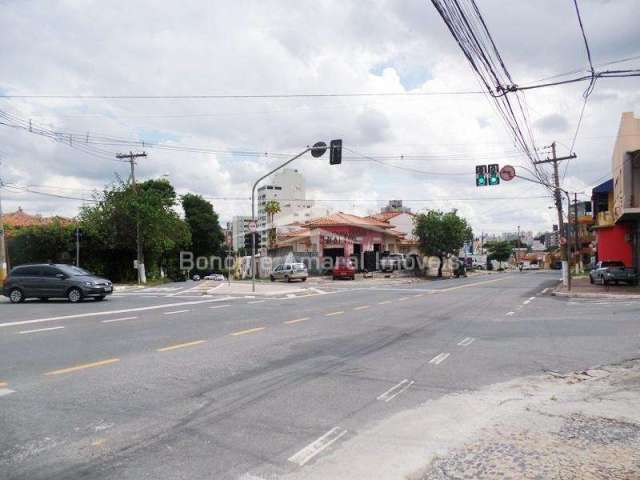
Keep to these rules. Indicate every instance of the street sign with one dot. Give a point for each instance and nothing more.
(507, 173)
(253, 226)
(318, 149)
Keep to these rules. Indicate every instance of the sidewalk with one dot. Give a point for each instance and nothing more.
(582, 288)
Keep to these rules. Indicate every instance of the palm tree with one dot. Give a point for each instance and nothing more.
(271, 208)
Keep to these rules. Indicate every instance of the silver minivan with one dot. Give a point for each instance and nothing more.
(290, 271)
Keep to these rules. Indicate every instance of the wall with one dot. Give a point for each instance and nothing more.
(614, 244)
(628, 140)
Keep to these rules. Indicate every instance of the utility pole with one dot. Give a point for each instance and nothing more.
(3, 258)
(576, 253)
(77, 245)
(564, 252)
(131, 158)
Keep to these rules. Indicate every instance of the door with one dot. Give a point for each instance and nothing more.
(28, 279)
(51, 285)
(357, 256)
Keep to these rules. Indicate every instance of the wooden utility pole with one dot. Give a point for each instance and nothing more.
(564, 251)
(131, 158)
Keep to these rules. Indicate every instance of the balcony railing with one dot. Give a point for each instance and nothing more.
(604, 219)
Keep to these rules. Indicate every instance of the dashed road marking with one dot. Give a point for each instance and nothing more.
(176, 312)
(508, 314)
(438, 359)
(402, 299)
(180, 345)
(385, 302)
(220, 306)
(466, 342)
(528, 301)
(395, 390)
(361, 307)
(6, 391)
(544, 291)
(256, 301)
(319, 445)
(249, 330)
(339, 312)
(123, 319)
(297, 320)
(23, 332)
(419, 295)
(83, 366)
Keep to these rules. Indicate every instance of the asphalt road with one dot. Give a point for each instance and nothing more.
(168, 384)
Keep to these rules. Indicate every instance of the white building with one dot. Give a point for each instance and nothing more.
(287, 187)
(239, 227)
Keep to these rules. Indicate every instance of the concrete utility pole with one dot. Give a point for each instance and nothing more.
(564, 252)
(576, 252)
(77, 245)
(131, 158)
(3, 258)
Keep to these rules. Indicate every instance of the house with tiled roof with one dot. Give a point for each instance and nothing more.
(20, 219)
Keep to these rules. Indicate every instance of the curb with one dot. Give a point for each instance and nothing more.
(596, 295)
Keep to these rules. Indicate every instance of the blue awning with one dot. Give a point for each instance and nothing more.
(605, 187)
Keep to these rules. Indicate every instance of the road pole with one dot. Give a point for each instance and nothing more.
(564, 251)
(131, 158)
(253, 213)
(3, 257)
(576, 252)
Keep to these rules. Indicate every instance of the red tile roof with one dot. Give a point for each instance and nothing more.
(339, 218)
(20, 219)
(386, 216)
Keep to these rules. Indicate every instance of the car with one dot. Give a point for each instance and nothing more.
(196, 278)
(289, 272)
(393, 261)
(344, 268)
(613, 271)
(54, 280)
(215, 277)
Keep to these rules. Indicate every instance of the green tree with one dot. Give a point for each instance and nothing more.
(499, 250)
(53, 242)
(441, 234)
(110, 229)
(206, 235)
(271, 208)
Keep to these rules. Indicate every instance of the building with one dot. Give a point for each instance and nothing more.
(617, 202)
(552, 239)
(402, 220)
(20, 219)
(395, 206)
(239, 227)
(287, 187)
(579, 233)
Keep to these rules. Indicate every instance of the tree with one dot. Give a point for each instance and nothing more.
(53, 242)
(441, 234)
(499, 250)
(271, 208)
(206, 235)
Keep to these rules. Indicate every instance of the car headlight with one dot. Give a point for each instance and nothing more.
(89, 284)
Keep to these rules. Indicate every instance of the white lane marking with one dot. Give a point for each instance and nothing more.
(438, 359)
(5, 391)
(177, 311)
(23, 332)
(466, 342)
(384, 303)
(316, 447)
(118, 319)
(528, 301)
(544, 291)
(256, 301)
(109, 312)
(508, 314)
(403, 299)
(395, 390)
(220, 306)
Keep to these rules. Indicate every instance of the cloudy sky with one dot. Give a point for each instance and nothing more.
(264, 47)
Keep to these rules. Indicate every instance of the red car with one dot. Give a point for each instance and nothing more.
(344, 268)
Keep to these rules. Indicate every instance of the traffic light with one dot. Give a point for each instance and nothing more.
(481, 175)
(335, 152)
(248, 245)
(494, 174)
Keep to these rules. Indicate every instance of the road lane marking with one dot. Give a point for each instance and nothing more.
(319, 445)
(109, 312)
(220, 306)
(256, 301)
(438, 359)
(118, 319)
(508, 314)
(395, 390)
(340, 312)
(384, 303)
(544, 291)
(175, 312)
(6, 391)
(467, 285)
(528, 301)
(361, 307)
(250, 330)
(297, 320)
(180, 345)
(83, 366)
(23, 332)
(419, 295)
(466, 342)
(402, 299)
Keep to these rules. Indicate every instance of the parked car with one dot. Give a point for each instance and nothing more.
(289, 272)
(215, 277)
(393, 261)
(47, 281)
(344, 268)
(613, 271)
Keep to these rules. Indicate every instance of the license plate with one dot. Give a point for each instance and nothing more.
(107, 289)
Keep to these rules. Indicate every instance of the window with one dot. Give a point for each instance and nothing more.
(50, 272)
(26, 272)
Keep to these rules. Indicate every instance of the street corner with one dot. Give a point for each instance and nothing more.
(581, 287)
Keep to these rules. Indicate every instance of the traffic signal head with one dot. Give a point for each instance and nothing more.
(335, 152)
(481, 175)
(494, 174)
(248, 243)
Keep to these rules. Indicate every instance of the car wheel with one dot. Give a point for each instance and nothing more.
(604, 281)
(304, 279)
(590, 279)
(16, 295)
(273, 279)
(100, 298)
(74, 295)
(353, 277)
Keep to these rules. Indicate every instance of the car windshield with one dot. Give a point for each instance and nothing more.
(73, 271)
(298, 266)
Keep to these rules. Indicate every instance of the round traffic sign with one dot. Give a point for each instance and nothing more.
(253, 227)
(507, 173)
(318, 149)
